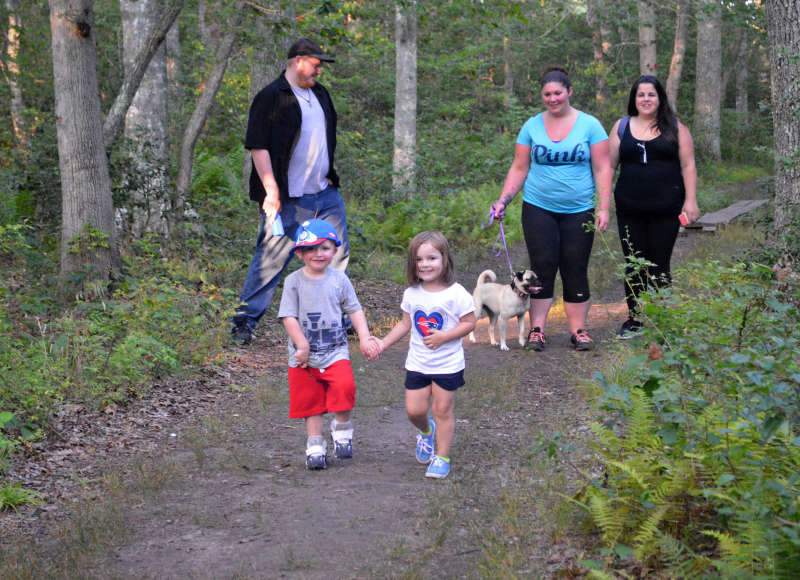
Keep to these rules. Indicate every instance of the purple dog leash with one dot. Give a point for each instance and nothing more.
(501, 236)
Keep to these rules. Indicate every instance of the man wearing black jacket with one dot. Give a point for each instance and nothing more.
(291, 134)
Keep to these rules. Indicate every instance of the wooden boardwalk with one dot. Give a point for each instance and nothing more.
(710, 221)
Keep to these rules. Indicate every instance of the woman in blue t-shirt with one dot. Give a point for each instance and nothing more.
(560, 160)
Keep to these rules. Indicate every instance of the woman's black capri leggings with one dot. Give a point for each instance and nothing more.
(559, 242)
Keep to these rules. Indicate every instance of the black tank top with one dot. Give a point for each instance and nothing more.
(650, 179)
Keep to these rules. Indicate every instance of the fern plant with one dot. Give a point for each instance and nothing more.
(645, 486)
(703, 474)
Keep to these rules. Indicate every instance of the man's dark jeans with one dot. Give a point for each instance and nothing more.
(273, 254)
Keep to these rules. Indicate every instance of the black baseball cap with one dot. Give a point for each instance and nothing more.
(306, 47)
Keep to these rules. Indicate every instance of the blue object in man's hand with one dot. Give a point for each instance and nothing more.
(277, 225)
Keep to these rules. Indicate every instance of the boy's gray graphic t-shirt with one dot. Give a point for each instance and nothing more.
(318, 305)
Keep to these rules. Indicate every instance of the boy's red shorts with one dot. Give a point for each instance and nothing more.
(315, 391)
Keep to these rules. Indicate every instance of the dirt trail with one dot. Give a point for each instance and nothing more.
(250, 508)
(219, 488)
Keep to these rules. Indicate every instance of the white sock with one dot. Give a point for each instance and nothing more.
(315, 441)
(341, 430)
(337, 426)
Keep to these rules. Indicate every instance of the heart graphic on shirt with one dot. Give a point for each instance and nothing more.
(427, 322)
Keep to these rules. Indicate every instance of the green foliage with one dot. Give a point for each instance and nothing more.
(13, 242)
(780, 249)
(457, 214)
(725, 173)
(88, 241)
(748, 137)
(6, 444)
(644, 488)
(703, 471)
(153, 326)
(21, 261)
(217, 183)
(229, 222)
(14, 495)
(29, 183)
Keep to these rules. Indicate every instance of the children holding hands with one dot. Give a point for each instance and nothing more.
(315, 298)
(438, 312)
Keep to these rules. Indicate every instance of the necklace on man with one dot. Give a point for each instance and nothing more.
(306, 97)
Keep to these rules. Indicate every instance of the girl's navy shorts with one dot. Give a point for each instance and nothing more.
(449, 382)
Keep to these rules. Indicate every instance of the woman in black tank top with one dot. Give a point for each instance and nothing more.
(656, 189)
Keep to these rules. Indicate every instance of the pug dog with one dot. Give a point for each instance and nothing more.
(502, 301)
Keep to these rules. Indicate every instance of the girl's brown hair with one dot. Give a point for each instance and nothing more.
(438, 241)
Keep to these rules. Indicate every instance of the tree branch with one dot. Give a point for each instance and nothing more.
(116, 115)
(203, 106)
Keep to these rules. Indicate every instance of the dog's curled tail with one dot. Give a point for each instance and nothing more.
(486, 274)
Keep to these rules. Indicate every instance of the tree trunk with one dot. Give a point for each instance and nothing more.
(707, 97)
(508, 75)
(207, 25)
(601, 47)
(784, 50)
(116, 115)
(183, 180)
(87, 219)
(648, 59)
(730, 54)
(11, 70)
(174, 86)
(741, 80)
(678, 52)
(269, 59)
(147, 122)
(405, 100)
(626, 43)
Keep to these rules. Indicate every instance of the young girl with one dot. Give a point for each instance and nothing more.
(438, 312)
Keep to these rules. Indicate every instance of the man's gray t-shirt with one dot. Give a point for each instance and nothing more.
(308, 165)
(318, 305)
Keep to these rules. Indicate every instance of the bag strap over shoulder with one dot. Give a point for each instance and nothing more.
(623, 123)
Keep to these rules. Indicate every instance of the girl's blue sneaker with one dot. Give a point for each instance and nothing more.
(425, 444)
(438, 468)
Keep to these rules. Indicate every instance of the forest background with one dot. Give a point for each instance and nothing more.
(125, 228)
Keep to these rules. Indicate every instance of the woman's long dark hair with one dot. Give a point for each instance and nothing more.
(666, 121)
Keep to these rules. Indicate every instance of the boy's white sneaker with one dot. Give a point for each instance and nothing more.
(316, 451)
(342, 439)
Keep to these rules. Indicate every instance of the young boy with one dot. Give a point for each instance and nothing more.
(315, 298)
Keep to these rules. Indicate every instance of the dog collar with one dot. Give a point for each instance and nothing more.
(517, 291)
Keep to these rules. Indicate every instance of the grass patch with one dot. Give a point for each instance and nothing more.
(92, 532)
(14, 495)
(723, 173)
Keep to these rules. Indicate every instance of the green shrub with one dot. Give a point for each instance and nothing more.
(7, 444)
(702, 447)
(112, 349)
(748, 138)
(457, 214)
(220, 202)
(137, 358)
(13, 241)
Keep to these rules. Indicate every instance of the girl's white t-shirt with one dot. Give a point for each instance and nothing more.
(435, 310)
